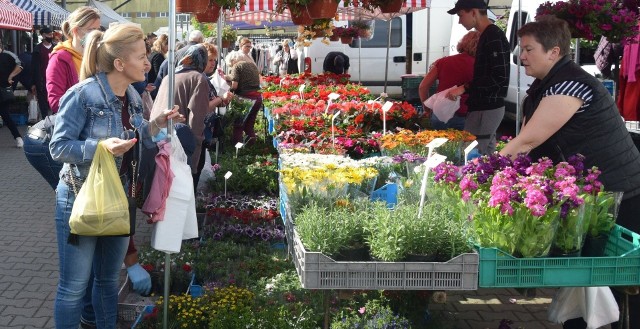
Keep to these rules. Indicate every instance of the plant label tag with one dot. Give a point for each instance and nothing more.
(239, 145)
(371, 101)
(468, 150)
(435, 160)
(335, 116)
(301, 91)
(470, 147)
(333, 96)
(387, 106)
(227, 175)
(437, 142)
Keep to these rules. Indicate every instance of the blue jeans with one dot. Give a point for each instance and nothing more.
(102, 255)
(456, 122)
(38, 155)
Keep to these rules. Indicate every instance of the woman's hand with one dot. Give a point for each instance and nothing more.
(117, 146)
(454, 93)
(162, 120)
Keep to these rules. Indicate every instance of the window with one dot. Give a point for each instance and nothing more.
(125, 14)
(513, 38)
(381, 33)
(143, 15)
(183, 18)
(163, 14)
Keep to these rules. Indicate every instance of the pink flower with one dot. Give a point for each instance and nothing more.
(362, 310)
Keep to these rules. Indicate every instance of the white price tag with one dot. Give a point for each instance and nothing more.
(227, 175)
(435, 160)
(470, 147)
(301, 91)
(239, 145)
(333, 96)
(437, 142)
(387, 106)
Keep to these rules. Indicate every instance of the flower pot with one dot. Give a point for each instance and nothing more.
(191, 6)
(536, 233)
(210, 15)
(300, 15)
(594, 246)
(346, 40)
(358, 254)
(391, 6)
(322, 8)
(334, 38)
(563, 253)
(226, 44)
(571, 231)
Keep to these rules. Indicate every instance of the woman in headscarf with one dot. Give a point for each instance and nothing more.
(191, 93)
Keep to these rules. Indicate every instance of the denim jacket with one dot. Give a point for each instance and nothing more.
(90, 112)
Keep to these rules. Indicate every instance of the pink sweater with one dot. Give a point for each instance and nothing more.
(61, 75)
(155, 204)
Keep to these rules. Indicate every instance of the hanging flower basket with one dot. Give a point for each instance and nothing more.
(346, 40)
(226, 44)
(319, 33)
(300, 15)
(391, 6)
(322, 8)
(210, 15)
(191, 6)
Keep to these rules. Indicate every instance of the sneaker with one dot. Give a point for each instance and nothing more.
(19, 142)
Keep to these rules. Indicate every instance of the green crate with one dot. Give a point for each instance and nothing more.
(619, 267)
(411, 82)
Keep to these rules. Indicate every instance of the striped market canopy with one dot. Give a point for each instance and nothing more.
(44, 12)
(14, 18)
(264, 10)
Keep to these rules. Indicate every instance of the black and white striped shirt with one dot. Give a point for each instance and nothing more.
(574, 89)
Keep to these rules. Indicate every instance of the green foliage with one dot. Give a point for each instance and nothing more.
(375, 314)
(251, 174)
(330, 229)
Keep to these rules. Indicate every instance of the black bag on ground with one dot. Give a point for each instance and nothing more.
(6, 95)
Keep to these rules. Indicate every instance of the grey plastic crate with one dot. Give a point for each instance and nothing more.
(317, 271)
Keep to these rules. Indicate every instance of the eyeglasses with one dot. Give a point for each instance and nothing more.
(136, 120)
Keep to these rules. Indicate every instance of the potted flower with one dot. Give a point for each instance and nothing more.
(385, 6)
(332, 229)
(346, 34)
(591, 19)
(390, 234)
(364, 28)
(229, 35)
(303, 10)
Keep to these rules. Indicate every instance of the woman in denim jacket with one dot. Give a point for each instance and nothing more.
(102, 107)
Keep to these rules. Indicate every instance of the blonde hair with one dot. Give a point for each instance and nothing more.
(211, 49)
(103, 48)
(79, 18)
(286, 42)
(244, 41)
(162, 40)
(469, 43)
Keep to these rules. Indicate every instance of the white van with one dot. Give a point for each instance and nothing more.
(412, 49)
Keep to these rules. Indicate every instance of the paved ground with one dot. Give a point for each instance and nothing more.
(29, 271)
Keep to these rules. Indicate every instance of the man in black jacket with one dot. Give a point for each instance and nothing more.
(39, 63)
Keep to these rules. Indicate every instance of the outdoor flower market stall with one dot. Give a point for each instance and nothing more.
(282, 226)
(350, 212)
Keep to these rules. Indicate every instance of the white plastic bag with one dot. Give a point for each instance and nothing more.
(34, 111)
(596, 305)
(207, 172)
(180, 221)
(219, 83)
(443, 107)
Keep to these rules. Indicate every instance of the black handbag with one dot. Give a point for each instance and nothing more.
(6, 95)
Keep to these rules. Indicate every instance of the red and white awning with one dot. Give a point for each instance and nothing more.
(264, 10)
(14, 18)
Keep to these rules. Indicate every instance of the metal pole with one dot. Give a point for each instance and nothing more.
(359, 60)
(386, 66)
(518, 108)
(171, 75)
(428, 39)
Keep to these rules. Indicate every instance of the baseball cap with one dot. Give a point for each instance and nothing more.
(467, 4)
(45, 30)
